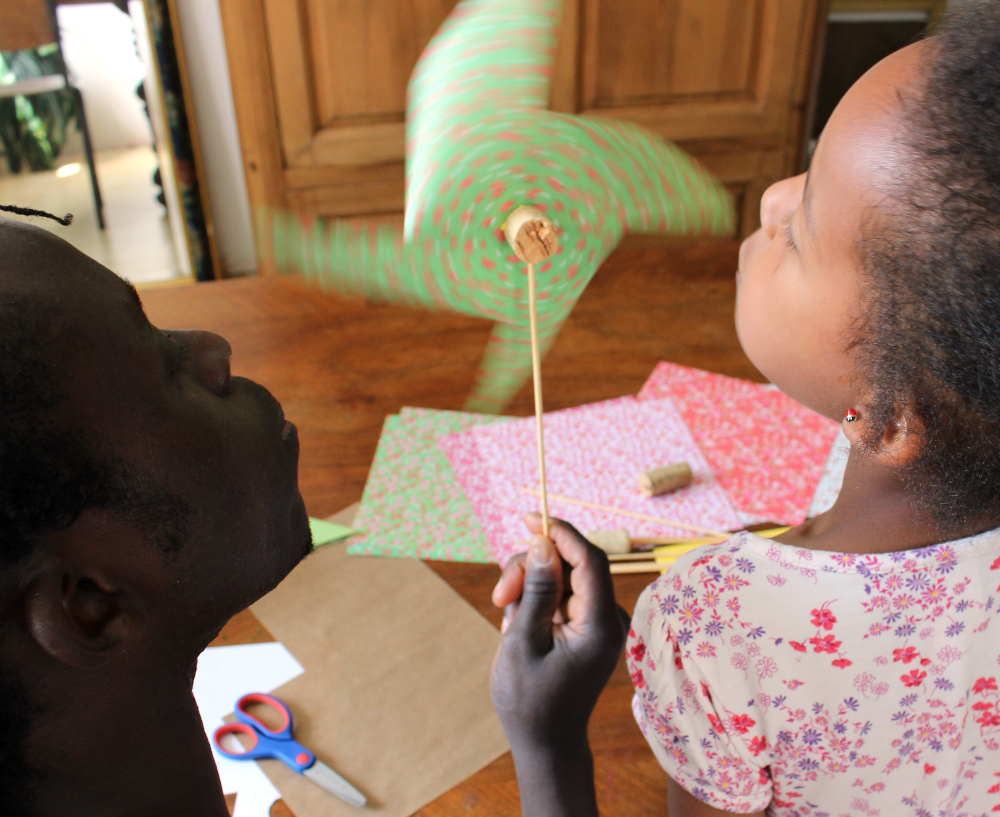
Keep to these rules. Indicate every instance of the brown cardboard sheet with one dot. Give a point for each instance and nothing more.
(395, 694)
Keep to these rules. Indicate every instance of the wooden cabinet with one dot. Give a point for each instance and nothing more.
(320, 88)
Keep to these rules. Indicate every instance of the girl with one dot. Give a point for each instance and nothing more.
(847, 668)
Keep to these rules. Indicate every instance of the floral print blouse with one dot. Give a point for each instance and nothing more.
(817, 684)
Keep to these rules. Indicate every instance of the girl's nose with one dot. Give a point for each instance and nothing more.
(779, 201)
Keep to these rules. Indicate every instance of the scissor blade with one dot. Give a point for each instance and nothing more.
(325, 777)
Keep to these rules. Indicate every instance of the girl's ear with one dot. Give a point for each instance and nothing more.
(898, 445)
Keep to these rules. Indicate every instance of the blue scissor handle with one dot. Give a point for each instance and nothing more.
(267, 742)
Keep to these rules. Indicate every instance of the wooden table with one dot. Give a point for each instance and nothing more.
(339, 366)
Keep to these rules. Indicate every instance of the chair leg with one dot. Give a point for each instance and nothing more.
(91, 163)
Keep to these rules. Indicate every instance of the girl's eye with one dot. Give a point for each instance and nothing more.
(789, 238)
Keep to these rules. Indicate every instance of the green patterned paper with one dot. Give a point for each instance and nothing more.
(323, 532)
(413, 506)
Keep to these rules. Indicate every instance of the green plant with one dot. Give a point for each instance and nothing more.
(33, 129)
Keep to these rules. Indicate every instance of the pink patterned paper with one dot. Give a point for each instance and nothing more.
(413, 506)
(593, 453)
(766, 450)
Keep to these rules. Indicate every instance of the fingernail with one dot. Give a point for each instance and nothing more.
(540, 554)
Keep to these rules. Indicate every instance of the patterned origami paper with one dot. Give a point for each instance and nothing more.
(766, 450)
(593, 453)
(480, 142)
(413, 504)
(325, 533)
(832, 477)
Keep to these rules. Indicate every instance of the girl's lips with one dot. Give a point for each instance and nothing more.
(742, 254)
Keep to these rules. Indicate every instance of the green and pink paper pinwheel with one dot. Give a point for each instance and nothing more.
(480, 143)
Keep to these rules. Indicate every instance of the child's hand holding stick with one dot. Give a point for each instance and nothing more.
(563, 633)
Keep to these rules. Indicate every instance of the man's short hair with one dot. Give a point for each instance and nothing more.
(49, 475)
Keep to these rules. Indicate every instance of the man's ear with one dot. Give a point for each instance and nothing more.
(898, 445)
(76, 617)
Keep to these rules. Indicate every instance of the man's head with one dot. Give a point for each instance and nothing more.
(145, 494)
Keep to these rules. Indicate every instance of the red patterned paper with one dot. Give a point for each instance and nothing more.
(593, 453)
(765, 449)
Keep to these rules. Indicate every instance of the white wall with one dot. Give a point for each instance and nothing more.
(205, 49)
(99, 44)
(99, 47)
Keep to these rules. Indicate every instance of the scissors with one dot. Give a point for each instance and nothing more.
(279, 743)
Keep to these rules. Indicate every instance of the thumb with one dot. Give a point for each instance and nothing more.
(543, 585)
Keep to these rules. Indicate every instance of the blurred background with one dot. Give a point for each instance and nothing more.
(197, 111)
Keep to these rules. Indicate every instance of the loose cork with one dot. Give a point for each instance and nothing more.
(611, 541)
(668, 478)
(531, 234)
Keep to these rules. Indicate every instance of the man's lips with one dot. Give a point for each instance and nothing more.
(286, 429)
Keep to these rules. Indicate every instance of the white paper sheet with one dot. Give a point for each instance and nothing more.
(828, 488)
(224, 674)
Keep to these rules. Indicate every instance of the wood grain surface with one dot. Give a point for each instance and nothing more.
(340, 365)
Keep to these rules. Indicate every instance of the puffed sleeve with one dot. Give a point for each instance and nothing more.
(719, 755)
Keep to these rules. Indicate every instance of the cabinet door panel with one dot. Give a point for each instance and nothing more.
(341, 68)
(694, 68)
(363, 52)
(653, 52)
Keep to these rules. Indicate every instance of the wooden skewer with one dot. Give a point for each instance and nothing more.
(533, 238)
(634, 556)
(642, 567)
(655, 561)
(620, 543)
(673, 523)
(640, 555)
(671, 549)
(536, 374)
(656, 540)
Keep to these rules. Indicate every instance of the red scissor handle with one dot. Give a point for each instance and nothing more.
(265, 741)
(284, 731)
(250, 751)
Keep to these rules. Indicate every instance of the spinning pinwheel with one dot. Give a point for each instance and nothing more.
(480, 145)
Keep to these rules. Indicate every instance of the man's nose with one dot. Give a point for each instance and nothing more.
(779, 202)
(210, 356)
